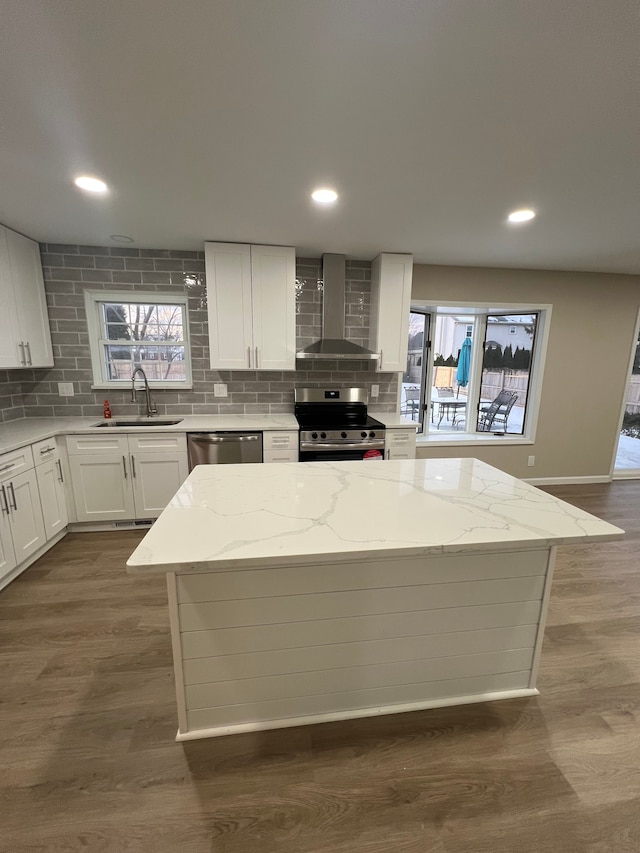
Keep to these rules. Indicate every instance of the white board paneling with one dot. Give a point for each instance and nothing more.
(300, 608)
(353, 679)
(271, 711)
(296, 580)
(338, 655)
(228, 641)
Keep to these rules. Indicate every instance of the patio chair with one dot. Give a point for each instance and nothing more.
(497, 412)
(411, 401)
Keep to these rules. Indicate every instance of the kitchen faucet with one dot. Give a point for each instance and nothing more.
(151, 409)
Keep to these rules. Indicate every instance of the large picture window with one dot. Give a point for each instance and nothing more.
(127, 331)
(481, 370)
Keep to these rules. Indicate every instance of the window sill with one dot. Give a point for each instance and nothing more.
(467, 440)
(153, 386)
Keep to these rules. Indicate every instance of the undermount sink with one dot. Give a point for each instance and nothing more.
(146, 422)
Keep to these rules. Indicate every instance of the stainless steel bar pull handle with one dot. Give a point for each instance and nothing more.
(60, 476)
(46, 450)
(28, 348)
(124, 466)
(381, 359)
(5, 503)
(23, 358)
(214, 439)
(256, 364)
(249, 356)
(133, 465)
(12, 492)
(6, 467)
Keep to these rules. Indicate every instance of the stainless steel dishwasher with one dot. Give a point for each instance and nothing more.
(223, 448)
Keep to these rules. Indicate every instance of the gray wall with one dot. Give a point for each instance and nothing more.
(70, 270)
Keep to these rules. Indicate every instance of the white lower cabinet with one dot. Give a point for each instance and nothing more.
(8, 560)
(101, 487)
(21, 504)
(32, 505)
(280, 446)
(400, 443)
(51, 486)
(125, 477)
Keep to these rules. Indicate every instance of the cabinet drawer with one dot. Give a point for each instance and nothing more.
(280, 441)
(78, 445)
(154, 441)
(14, 463)
(44, 451)
(280, 455)
(400, 438)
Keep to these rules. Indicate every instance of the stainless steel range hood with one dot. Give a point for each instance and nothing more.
(333, 343)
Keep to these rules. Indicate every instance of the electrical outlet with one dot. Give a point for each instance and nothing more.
(219, 389)
(65, 389)
(531, 461)
(375, 390)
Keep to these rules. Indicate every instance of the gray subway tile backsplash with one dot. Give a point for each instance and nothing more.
(70, 270)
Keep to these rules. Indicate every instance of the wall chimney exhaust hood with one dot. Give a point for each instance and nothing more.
(333, 343)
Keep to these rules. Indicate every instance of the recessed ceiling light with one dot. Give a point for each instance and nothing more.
(324, 196)
(121, 238)
(93, 185)
(521, 215)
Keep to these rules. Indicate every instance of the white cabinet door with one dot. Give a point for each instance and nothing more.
(52, 497)
(31, 305)
(273, 275)
(8, 560)
(102, 487)
(391, 277)
(27, 527)
(156, 477)
(229, 308)
(10, 352)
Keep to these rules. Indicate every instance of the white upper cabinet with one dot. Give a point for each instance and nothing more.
(251, 305)
(391, 276)
(25, 339)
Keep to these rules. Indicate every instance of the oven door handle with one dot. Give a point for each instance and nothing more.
(357, 445)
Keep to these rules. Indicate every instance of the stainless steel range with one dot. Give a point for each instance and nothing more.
(334, 425)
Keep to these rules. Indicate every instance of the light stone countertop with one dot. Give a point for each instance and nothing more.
(392, 419)
(18, 433)
(257, 516)
(23, 431)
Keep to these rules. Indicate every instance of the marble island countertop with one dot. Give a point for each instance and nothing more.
(252, 516)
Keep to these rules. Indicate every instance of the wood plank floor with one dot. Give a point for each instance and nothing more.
(87, 721)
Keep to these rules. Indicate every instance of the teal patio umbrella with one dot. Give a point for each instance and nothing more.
(464, 364)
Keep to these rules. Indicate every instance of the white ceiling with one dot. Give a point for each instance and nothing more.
(214, 119)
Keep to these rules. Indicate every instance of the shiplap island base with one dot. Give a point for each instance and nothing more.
(309, 592)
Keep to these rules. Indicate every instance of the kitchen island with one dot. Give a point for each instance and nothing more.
(308, 592)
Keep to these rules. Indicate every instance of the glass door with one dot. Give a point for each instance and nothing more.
(412, 399)
(627, 462)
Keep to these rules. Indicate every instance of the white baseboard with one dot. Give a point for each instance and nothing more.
(565, 481)
(39, 553)
(314, 719)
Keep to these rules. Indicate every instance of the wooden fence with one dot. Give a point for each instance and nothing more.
(632, 403)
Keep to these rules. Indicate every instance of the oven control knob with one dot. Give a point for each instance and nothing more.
(363, 435)
(323, 435)
(372, 434)
(314, 435)
(343, 435)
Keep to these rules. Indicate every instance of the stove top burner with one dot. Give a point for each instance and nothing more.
(331, 419)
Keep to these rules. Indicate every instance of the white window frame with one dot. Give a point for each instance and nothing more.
(93, 300)
(482, 310)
